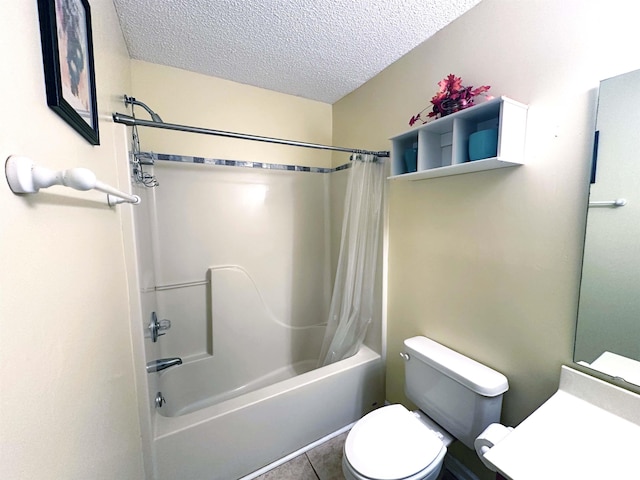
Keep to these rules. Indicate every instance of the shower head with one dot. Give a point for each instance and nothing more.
(132, 101)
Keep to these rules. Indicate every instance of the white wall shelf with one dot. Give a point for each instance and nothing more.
(443, 143)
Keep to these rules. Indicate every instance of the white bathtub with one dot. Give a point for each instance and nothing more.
(238, 436)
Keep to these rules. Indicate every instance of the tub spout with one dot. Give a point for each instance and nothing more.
(163, 363)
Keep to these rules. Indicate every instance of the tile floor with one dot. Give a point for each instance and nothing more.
(323, 462)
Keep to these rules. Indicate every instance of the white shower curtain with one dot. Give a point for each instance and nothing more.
(353, 292)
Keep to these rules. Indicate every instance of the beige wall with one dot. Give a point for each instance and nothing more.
(489, 263)
(193, 99)
(67, 394)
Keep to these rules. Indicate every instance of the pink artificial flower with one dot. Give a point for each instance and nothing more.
(451, 97)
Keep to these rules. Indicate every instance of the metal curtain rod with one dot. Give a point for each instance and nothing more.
(130, 121)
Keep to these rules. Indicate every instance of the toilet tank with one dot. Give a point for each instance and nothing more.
(461, 395)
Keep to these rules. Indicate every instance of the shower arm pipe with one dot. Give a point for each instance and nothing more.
(131, 121)
(132, 101)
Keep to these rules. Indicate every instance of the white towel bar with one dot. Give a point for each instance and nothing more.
(618, 202)
(24, 176)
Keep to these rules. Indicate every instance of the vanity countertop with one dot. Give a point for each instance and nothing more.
(589, 429)
(618, 366)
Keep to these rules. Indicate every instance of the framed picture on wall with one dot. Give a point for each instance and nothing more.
(67, 55)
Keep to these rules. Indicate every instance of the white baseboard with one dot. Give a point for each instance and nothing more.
(293, 455)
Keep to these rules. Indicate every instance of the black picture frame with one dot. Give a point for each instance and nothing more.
(67, 57)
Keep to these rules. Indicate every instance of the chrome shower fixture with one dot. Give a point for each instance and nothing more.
(132, 101)
(139, 175)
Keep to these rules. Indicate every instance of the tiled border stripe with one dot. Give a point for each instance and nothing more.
(238, 163)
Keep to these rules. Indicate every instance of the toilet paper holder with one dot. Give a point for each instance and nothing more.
(490, 436)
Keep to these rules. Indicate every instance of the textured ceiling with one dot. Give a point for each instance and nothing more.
(316, 49)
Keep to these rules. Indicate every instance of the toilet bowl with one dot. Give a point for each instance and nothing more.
(392, 443)
(457, 398)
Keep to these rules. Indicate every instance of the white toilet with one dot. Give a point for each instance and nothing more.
(457, 397)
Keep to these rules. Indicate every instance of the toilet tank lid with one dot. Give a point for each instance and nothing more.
(477, 377)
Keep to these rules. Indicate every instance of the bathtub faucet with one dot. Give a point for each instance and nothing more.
(162, 363)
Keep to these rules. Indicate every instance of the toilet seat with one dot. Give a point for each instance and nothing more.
(392, 444)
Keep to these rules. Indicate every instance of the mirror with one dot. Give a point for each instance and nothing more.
(608, 329)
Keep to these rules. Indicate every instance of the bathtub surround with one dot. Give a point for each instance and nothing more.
(270, 228)
(242, 254)
(266, 224)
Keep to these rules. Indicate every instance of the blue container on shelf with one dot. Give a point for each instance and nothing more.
(411, 158)
(483, 144)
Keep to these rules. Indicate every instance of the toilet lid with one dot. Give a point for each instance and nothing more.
(390, 444)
